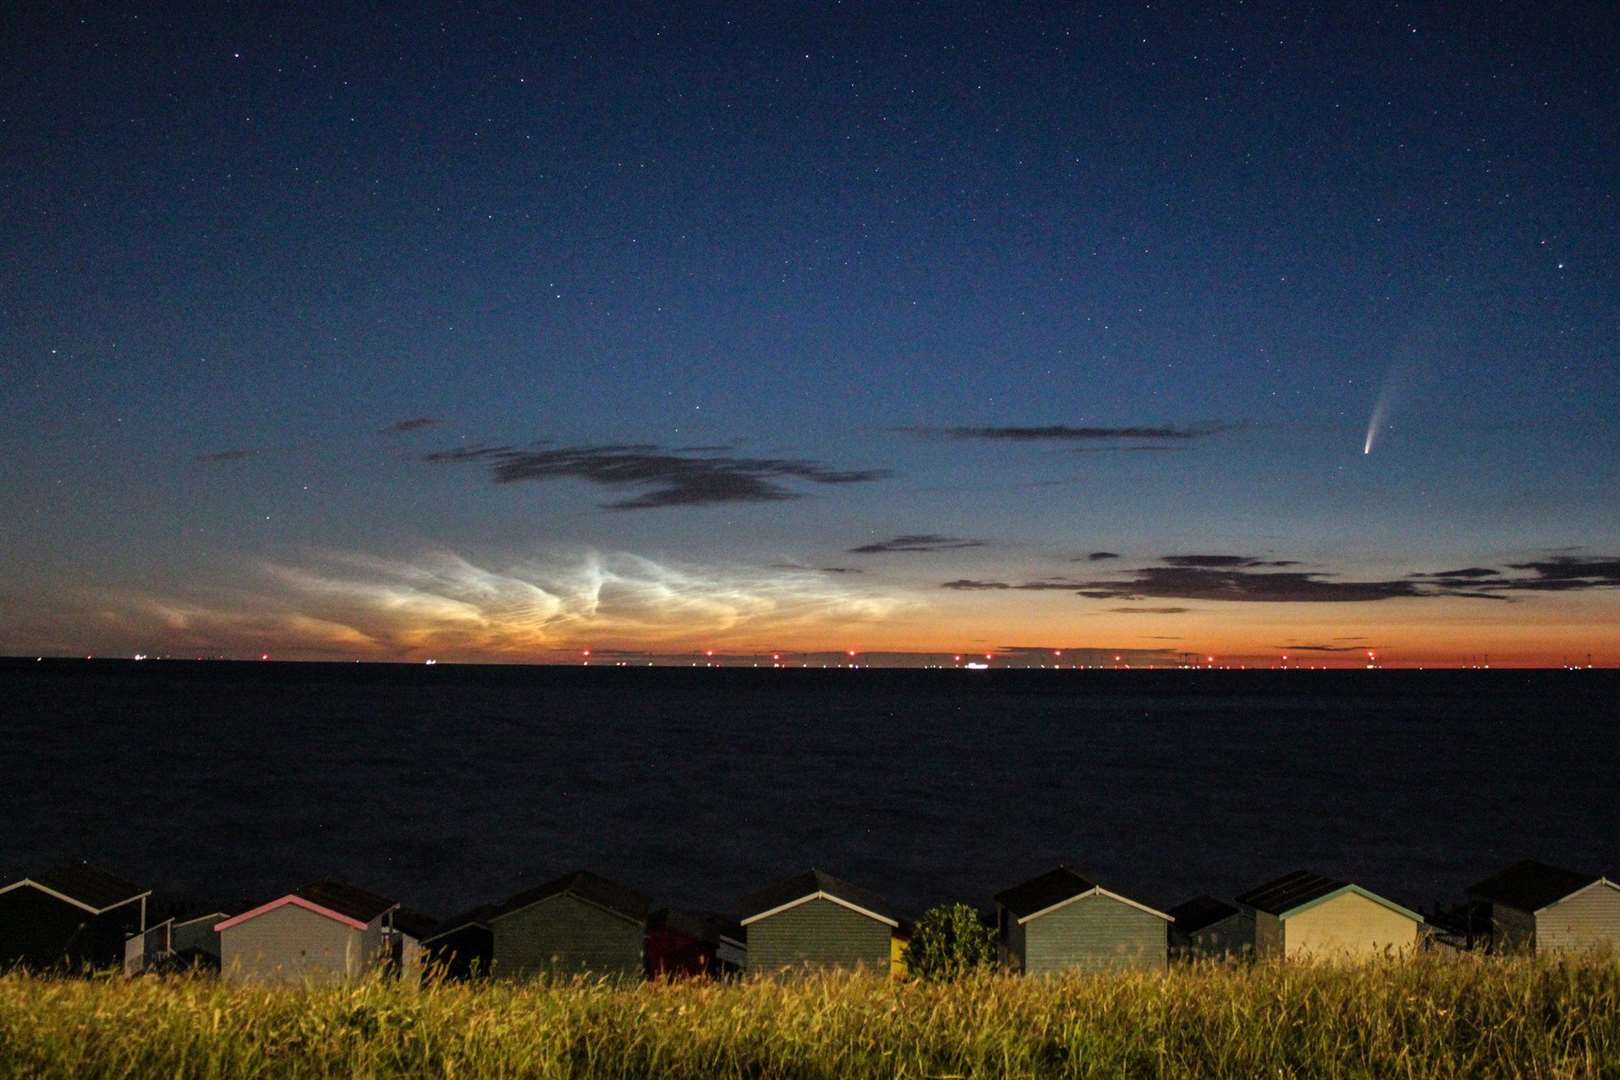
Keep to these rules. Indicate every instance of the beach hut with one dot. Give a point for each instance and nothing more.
(71, 917)
(577, 924)
(693, 944)
(196, 941)
(1543, 908)
(406, 952)
(150, 949)
(899, 942)
(1064, 921)
(1306, 915)
(1207, 928)
(329, 931)
(1457, 928)
(463, 946)
(815, 920)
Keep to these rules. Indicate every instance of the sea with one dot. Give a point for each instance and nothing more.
(228, 784)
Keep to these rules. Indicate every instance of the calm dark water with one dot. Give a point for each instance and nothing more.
(450, 786)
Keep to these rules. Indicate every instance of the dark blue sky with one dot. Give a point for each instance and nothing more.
(696, 301)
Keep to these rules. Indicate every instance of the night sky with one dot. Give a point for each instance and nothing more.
(913, 330)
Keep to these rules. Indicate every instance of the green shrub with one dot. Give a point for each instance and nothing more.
(950, 941)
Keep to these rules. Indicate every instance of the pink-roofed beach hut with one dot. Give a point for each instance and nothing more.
(326, 932)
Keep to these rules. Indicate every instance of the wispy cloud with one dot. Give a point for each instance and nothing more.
(1098, 556)
(1323, 648)
(221, 456)
(669, 477)
(978, 585)
(1065, 433)
(415, 423)
(1150, 610)
(916, 542)
(443, 605)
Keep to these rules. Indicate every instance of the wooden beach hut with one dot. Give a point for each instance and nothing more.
(71, 917)
(1064, 921)
(899, 942)
(149, 950)
(463, 947)
(690, 944)
(196, 941)
(1541, 908)
(1210, 929)
(1305, 915)
(329, 931)
(406, 952)
(815, 920)
(578, 924)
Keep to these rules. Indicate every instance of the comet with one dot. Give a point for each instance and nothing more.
(1380, 409)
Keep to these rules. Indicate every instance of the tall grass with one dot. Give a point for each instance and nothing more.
(1422, 1017)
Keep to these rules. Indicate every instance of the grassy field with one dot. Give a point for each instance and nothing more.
(1424, 1017)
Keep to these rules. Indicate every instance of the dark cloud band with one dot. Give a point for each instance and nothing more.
(916, 542)
(1224, 562)
(415, 423)
(670, 477)
(1249, 579)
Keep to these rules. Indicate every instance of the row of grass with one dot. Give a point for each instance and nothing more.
(1467, 1016)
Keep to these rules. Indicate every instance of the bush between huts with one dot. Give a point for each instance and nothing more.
(948, 942)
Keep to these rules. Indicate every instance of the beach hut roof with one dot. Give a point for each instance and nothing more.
(84, 886)
(1039, 893)
(609, 895)
(814, 884)
(1054, 889)
(413, 923)
(352, 906)
(1530, 886)
(1199, 912)
(478, 917)
(705, 926)
(216, 916)
(346, 899)
(1297, 891)
(1292, 890)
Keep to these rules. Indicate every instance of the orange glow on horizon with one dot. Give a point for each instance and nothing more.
(381, 611)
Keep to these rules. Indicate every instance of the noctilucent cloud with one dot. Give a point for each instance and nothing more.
(917, 332)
